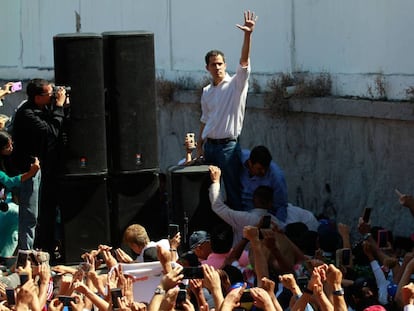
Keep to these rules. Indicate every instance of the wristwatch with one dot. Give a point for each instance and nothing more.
(339, 292)
(159, 291)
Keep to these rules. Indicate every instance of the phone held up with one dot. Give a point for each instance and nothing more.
(343, 257)
(173, 229)
(367, 214)
(16, 86)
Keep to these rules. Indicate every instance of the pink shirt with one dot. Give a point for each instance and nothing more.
(216, 260)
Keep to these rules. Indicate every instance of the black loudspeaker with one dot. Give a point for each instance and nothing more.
(130, 83)
(85, 213)
(79, 64)
(136, 199)
(190, 199)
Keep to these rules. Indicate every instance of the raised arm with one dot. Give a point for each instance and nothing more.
(249, 24)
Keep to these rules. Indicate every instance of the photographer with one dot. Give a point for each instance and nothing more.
(36, 129)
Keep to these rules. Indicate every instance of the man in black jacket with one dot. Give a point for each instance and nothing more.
(36, 129)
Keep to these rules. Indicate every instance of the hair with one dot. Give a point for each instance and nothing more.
(261, 155)
(136, 234)
(4, 139)
(221, 239)
(213, 53)
(35, 87)
(264, 195)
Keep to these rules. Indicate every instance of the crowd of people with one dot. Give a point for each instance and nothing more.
(266, 255)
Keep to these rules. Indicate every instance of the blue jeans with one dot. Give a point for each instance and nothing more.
(228, 158)
(28, 211)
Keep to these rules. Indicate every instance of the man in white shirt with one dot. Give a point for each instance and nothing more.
(223, 104)
(262, 201)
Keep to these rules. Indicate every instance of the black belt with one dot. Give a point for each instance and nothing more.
(221, 141)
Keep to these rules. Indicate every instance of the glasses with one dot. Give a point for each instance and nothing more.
(46, 94)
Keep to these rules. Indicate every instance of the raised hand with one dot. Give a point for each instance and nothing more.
(249, 22)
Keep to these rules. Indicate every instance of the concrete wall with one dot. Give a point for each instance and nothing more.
(339, 155)
(355, 41)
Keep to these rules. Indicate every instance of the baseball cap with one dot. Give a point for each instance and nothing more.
(198, 238)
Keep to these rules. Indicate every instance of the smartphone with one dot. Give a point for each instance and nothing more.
(115, 293)
(382, 238)
(11, 298)
(173, 229)
(367, 214)
(266, 222)
(22, 257)
(191, 140)
(16, 86)
(302, 282)
(265, 225)
(24, 277)
(343, 257)
(66, 301)
(193, 273)
(181, 297)
(246, 300)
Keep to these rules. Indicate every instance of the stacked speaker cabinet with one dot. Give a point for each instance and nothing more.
(129, 70)
(83, 185)
(190, 199)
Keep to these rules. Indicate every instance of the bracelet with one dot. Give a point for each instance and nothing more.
(307, 291)
(173, 250)
(366, 236)
(339, 292)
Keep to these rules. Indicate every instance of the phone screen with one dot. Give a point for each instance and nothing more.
(173, 229)
(367, 214)
(11, 301)
(193, 273)
(115, 293)
(16, 86)
(266, 222)
(382, 239)
(21, 259)
(346, 257)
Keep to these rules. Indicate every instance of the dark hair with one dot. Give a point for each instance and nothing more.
(35, 87)
(234, 274)
(4, 139)
(264, 194)
(213, 53)
(261, 155)
(221, 239)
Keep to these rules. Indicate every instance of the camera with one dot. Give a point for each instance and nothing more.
(56, 88)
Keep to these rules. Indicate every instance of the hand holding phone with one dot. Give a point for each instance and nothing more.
(16, 86)
(115, 294)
